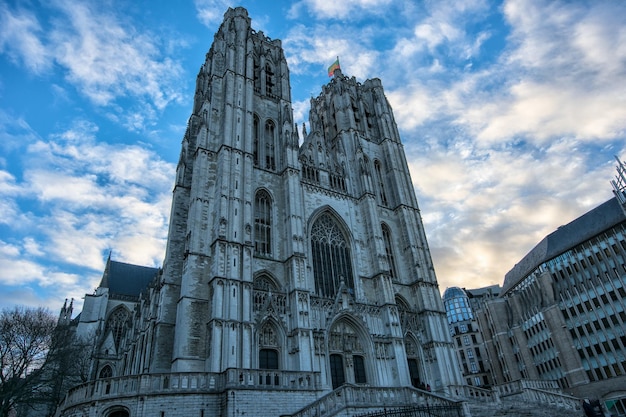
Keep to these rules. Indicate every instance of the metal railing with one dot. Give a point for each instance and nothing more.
(355, 397)
(426, 411)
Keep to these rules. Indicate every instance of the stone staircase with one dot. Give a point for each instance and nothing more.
(517, 408)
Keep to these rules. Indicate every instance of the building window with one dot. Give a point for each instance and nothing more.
(332, 262)
(269, 79)
(116, 324)
(359, 370)
(381, 184)
(262, 223)
(270, 139)
(268, 359)
(255, 139)
(106, 372)
(388, 251)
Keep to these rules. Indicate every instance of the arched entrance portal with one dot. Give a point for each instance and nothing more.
(347, 355)
(118, 412)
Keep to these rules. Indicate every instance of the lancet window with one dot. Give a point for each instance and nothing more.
(263, 223)
(105, 372)
(269, 145)
(269, 80)
(389, 252)
(255, 138)
(331, 257)
(381, 184)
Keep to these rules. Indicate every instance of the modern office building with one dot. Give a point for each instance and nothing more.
(560, 315)
(460, 305)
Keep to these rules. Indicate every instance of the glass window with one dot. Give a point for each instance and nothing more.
(116, 324)
(270, 160)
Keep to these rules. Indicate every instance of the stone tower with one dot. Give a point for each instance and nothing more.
(291, 261)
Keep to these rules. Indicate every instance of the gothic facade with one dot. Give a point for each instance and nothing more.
(295, 260)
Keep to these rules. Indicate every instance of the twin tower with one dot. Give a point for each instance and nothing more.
(291, 255)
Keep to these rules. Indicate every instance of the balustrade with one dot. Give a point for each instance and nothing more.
(178, 383)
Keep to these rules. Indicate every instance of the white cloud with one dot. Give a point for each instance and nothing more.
(101, 53)
(339, 9)
(562, 75)
(312, 49)
(123, 59)
(94, 197)
(20, 34)
(211, 12)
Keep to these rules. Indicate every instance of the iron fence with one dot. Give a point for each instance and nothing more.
(421, 411)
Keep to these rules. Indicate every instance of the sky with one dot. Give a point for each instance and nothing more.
(511, 113)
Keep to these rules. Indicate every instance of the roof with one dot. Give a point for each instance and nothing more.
(564, 238)
(127, 279)
(453, 292)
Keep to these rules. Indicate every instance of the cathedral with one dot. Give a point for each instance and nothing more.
(297, 278)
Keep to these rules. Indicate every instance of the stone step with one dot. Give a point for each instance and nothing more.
(518, 409)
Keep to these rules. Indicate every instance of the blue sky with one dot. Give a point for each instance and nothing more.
(511, 113)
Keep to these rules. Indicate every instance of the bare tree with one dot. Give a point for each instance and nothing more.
(41, 360)
(26, 336)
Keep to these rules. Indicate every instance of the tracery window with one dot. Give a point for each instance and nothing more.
(116, 324)
(262, 223)
(389, 252)
(331, 257)
(106, 372)
(264, 283)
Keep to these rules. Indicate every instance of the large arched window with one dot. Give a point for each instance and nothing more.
(389, 252)
(331, 257)
(262, 223)
(116, 324)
